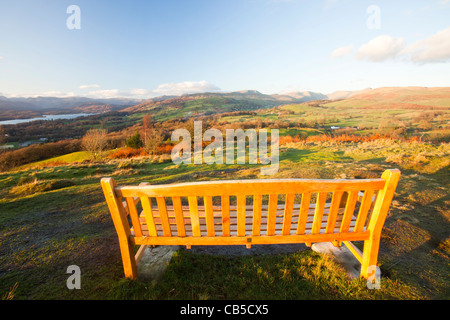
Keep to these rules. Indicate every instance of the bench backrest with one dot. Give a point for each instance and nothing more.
(323, 210)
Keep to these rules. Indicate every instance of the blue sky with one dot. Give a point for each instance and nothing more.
(140, 49)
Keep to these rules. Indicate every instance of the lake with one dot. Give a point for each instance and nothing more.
(47, 117)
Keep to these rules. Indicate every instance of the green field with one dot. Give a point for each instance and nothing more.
(67, 158)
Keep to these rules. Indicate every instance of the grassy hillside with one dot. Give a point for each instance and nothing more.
(53, 213)
(398, 98)
(78, 156)
(210, 103)
(54, 217)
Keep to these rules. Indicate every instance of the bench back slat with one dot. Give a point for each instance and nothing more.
(178, 211)
(148, 212)
(225, 201)
(318, 212)
(241, 202)
(163, 215)
(257, 208)
(349, 210)
(366, 204)
(334, 208)
(195, 222)
(271, 218)
(134, 216)
(303, 213)
(287, 216)
(209, 216)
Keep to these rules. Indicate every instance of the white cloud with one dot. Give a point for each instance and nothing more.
(89, 86)
(342, 51)
(116, 93)
(185, 88)
(435, 48)
(139, 92)
(54, 93)
(105, 94)
(180, 88)
(58, 94)
(381, 48)
(1, 58)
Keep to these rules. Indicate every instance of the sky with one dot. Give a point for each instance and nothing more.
(147, 48)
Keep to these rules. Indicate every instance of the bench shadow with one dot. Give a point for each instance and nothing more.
(239, 250)
(438, 230)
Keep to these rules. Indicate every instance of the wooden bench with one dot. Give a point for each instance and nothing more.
(251, 212)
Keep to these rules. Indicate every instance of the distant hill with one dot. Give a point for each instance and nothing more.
(398, 98)
(167, 107)
(305, 96)
(211, 103)
(345, 94)
(45, 104)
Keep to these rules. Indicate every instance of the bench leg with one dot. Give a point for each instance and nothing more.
(337, 244)
(380, 210)
(128, 260)
(370, 256)
(119, 217)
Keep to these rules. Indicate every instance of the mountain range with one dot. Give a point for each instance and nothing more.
(48, 104)
(213, 102)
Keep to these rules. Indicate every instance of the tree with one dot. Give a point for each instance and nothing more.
(154, 139)
(95, 141)
(2, 135)
(147, 126)
(134, 141)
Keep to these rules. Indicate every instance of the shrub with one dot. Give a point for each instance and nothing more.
(165, 148)
(134, 141)
(95, 141)
(37, 152)
(125, 153)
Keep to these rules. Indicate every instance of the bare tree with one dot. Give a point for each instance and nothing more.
(95, 141)
(147, 126)
(153, 136)
(153, 140)
(2, 135)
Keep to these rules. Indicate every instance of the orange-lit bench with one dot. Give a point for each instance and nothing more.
(251, 212)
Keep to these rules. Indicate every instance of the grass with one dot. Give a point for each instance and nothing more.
(78, 156)
(53, 217)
